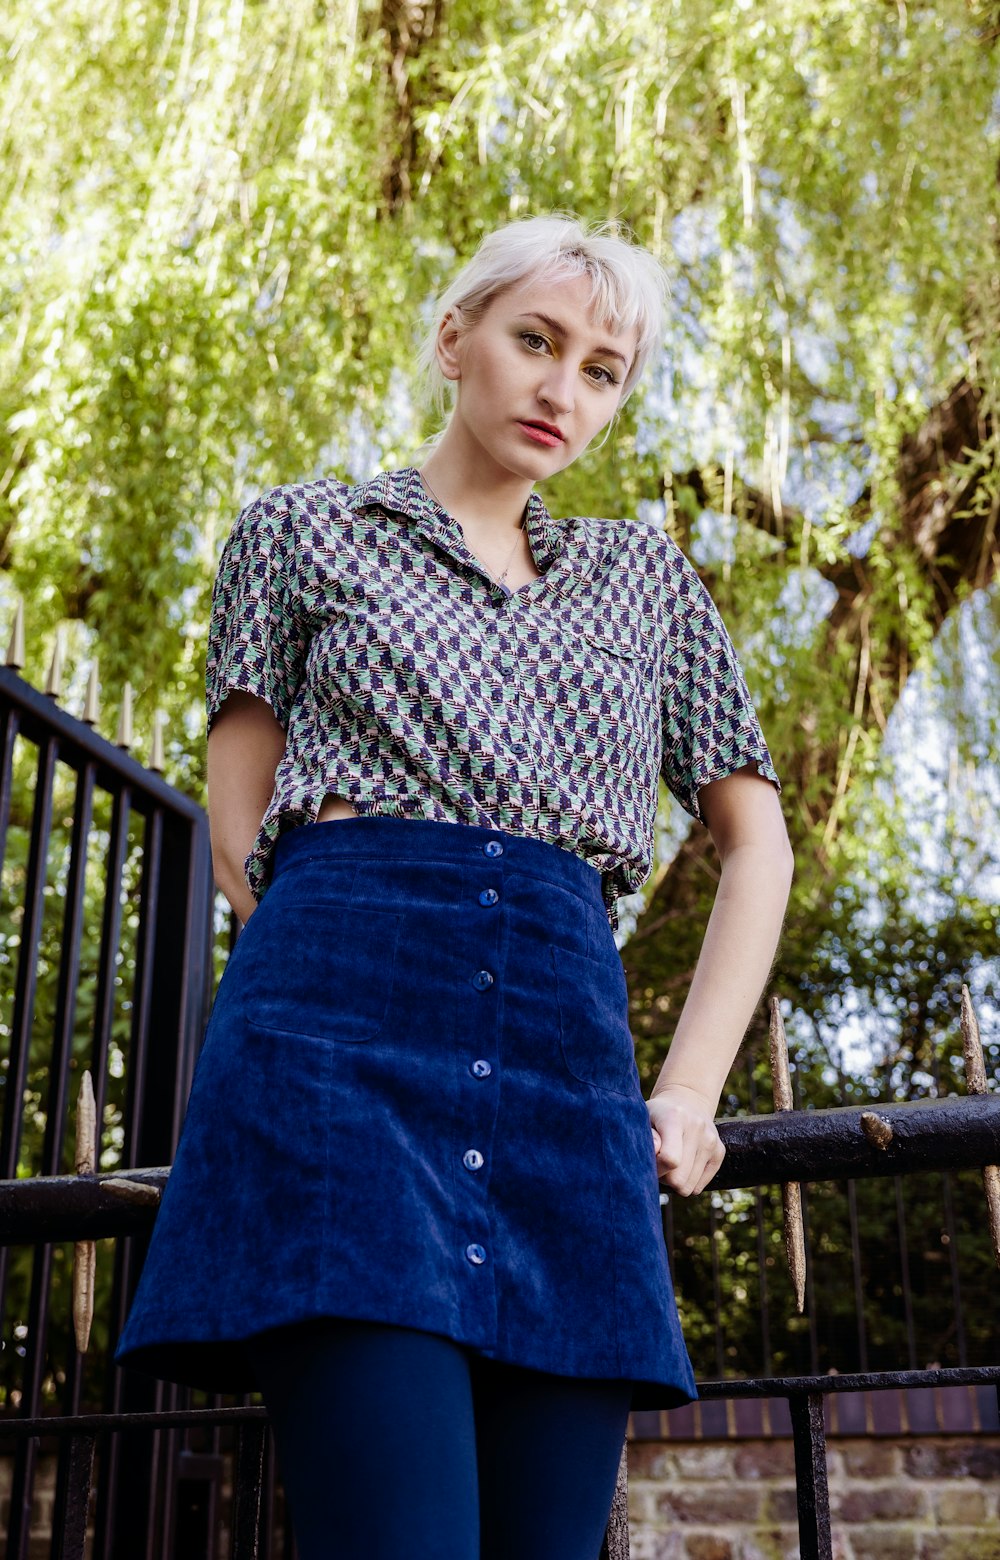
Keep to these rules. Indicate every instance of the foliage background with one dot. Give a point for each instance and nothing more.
(222, 223)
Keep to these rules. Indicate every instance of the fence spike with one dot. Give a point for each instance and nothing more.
(54, 680)
(92, 702)
(972, 1046)
(15, 648)
(791, 1191)
(156, 755)
(975, 1077)
(125, 735)
(85, 1251)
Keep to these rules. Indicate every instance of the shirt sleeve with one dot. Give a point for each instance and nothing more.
(710, 727)
(257, 636)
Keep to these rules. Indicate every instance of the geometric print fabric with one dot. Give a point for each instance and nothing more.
(410, 682)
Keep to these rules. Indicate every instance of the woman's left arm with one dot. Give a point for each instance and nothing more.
(744, 818)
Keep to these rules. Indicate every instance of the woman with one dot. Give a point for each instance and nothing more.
(416, 1196)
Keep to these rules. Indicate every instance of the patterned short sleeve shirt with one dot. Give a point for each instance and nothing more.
(411, 683)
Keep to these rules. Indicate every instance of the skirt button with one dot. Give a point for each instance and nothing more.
(482, 979)
(493, 848)
(481, 1068)
(488, 896)
(472, 1159)
(475, 1254)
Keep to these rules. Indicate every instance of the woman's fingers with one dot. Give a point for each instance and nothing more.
(687, 1146)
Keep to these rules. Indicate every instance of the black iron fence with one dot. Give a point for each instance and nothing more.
(105, 965)
(106, 948)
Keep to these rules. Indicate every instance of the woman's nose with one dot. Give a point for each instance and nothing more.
(558, 388)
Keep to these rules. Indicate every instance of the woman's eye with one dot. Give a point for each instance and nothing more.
(602, 376)
(533, 340)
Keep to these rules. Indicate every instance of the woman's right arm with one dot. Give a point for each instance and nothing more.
(245, 746)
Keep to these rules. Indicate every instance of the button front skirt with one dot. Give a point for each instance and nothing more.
(417, 1103)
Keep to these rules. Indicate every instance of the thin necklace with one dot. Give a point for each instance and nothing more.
(510, 560)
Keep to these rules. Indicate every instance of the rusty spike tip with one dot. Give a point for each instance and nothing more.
(84, 1273)
(92, 701)
(86, 1126)
(125, 735)
(972, 1045)
(795, 1240)
(156, 752)
(54, 680)
(781, 1078)
(15, 647)
(84, 1251)
(876, 1129)
(991, 1186)
(791, 1192)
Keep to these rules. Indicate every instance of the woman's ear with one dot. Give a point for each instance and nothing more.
(447, 347)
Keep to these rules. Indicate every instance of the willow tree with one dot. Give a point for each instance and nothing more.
(221, 224)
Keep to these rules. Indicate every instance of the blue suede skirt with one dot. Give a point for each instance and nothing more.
(417, 1103)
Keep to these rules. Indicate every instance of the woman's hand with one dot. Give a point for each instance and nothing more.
(688, 1148)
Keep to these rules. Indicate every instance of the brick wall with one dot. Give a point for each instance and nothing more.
(912, 1498)
(927, 1497)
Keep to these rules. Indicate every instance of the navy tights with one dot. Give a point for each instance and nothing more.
(394, 1442)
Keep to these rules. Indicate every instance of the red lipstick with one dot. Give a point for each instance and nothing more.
(542, 433)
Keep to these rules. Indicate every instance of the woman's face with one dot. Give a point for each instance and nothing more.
(538, 376)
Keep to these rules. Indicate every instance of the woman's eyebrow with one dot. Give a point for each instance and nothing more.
(560, 330)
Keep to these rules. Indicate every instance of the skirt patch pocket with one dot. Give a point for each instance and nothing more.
(337, 984)
(596, 1044)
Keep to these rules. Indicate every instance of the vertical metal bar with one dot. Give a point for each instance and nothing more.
(22, 1022)
(951, 1230)
(111, 920)
(170, 1000)
(138, 1056)
(72, 1503)
(19, 1505)
(713, 1237)
(811, 1489)
(36, 1321)
(27, 961)
(10, 725)
(136, 1472)
(69, 973)
(248, 1466)
(764, 1304)
(904, 1267)
(859, 1288)
(810, 1289)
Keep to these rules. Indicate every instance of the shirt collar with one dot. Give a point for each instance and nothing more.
(403, 493)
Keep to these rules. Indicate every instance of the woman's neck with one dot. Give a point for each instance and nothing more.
(489, 501)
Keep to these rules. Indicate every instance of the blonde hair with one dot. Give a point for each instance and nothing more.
(628, 285)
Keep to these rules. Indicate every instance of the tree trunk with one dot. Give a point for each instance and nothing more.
(947, 524)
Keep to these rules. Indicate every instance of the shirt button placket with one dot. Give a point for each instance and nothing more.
(484, 902)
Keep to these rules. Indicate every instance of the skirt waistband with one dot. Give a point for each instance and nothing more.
(427, 839)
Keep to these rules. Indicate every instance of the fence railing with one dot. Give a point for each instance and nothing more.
(105, 964)
(942, 1135)
(106, 952)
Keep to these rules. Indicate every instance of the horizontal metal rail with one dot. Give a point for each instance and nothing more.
(708, 1391)
(957, 1133)
(40, 719)
(804, 1394)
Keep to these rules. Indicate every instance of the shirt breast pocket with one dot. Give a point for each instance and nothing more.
(611, 694)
